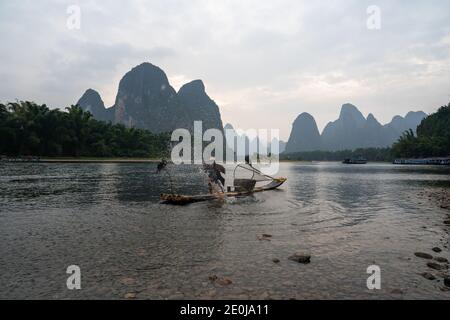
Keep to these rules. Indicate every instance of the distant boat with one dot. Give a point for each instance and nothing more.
(359, 160)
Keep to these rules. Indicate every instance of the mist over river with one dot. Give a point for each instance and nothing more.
(107, 219)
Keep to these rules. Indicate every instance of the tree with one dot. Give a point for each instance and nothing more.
(30, 129)
(433, 137)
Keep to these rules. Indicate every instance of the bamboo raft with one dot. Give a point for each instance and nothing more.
(178, 199)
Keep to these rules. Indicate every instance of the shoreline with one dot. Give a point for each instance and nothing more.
(83, 160)
(157, 160)
(93, 160)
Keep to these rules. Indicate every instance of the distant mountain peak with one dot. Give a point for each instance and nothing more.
(91, 91)
(199, 106)
(397, 118)
(195, 85)
(350, 131)
(415, 114)
(145, 99)
(305, 135)
(400, 124)
(92, 102)
(305, 116)
(349, 111)
(371, 118)
(147, 73)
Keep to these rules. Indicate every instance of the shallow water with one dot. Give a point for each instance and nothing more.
(107, 219)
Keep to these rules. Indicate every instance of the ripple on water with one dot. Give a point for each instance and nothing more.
(107, 218)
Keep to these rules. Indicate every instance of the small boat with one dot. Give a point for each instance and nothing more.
(179, 199)
(359, 160)
(242, 188)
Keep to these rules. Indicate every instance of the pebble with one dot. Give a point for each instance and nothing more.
(177, 296)
(264, 296)
(224, 281)
(441, 260)
(435, 266)
(423, 255)
(436, 249)
(213, 278)
(266, 237)
(276, 260)
(397, 291)
(428, 276)
(447, 282)
(301, 258)
(130, 295)
(221, 281)
(127, 281)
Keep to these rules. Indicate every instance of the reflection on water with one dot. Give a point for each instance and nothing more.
(107, 219)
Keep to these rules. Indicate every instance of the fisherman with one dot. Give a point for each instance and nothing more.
(216, 180)
(161, 166)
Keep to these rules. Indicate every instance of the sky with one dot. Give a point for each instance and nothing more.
(263, 62)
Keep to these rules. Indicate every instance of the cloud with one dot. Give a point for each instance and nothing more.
(264, 62)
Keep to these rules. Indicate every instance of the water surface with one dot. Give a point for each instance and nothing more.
(107, 219)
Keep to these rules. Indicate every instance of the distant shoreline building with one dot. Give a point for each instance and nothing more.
(445, 161)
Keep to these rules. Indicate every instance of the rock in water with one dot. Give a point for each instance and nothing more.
(423, 255)
(213, 278)
(436, 249)
(130, 295)
(127, 281)
(397, 291)
(301, 258)
(441, 260)
(435, 266)
(447, 282)
(224, 281)
(266, 237)
(428, 276)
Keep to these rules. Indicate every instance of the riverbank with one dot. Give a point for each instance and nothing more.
(111, 218)
(440, 196)
(98, 160)
(82, 160)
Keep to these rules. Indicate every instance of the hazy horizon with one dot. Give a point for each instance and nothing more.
(263, 63)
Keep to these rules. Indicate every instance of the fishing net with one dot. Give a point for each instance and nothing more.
(250, 173)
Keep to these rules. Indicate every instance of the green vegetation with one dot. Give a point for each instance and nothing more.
(371, 154)
(30, 129)
(432, 140)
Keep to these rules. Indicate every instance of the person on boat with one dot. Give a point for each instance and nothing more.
(216, 181)
(161, 166)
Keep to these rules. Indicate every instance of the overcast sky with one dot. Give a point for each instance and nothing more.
(263, 62)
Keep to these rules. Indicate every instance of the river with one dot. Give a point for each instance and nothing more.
(107, 219)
